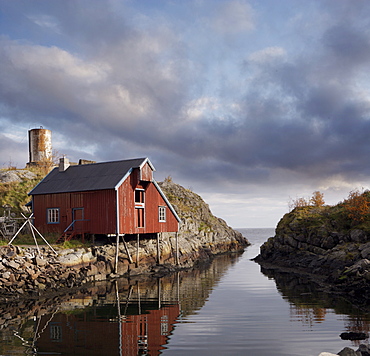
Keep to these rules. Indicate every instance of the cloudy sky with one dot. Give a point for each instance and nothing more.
(247, 103)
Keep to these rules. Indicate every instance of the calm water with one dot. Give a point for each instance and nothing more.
(229, 308)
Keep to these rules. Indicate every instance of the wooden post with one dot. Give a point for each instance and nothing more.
(177, 248)
(126, 248)
(158, 250)
(137, 250)
(116, 259)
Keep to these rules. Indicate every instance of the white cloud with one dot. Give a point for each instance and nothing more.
(267, 55)
(46, 21)
(201, 107)
(49, 61)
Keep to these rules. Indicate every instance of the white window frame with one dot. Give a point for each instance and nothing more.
(141, 193)
(162, 214)
(53, 215)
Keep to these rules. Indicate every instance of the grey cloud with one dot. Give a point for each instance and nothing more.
(233, 17)
(126, 92)
(347, 43)
(13, 153)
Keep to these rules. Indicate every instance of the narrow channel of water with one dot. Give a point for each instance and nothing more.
(229, 308)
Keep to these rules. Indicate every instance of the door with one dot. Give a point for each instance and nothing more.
(78, 218)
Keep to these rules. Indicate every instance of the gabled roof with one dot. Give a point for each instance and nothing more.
(87, 177)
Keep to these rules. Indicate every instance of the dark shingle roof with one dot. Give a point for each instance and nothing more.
(96, 176)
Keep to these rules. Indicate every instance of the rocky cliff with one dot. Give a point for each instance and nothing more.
(199, 227)
(324, 243)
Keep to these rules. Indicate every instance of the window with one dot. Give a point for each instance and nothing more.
(139, 217)
(162, 214)
(53, 216)
(55, 332)
(139, 196)
(139, 207)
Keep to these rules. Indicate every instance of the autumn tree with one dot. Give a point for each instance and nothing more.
(357, 205)
(297, 203)
(317, 199)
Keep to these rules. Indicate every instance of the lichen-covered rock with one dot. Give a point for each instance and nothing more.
(75, 258)
(17, 175)
(320, 241)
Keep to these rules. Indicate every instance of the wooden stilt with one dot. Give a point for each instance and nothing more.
(137, 251)
(117, 250)
(158, 249)
(177, 248)
(126, 248)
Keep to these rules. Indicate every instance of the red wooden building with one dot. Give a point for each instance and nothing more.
(118, 197)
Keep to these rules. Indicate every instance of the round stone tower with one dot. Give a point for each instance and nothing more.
(40, 148)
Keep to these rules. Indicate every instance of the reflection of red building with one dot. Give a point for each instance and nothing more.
(98, 332)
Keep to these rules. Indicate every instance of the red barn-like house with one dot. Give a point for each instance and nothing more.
(118, 197)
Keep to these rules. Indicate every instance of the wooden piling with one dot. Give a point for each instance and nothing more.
(158, 249)
(116, 258)
(137, 250)
(126, 248)
(177, 248)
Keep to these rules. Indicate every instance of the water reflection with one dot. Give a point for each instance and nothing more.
(310, 304)
(125, 317)
(229, 307)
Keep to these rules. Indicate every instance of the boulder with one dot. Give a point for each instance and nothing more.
(72, 259)
(358, 235)
(16, 175)
(363, 350)
(347, 351)
(359, 266)
(39, 261)
(365, 253)
(11, 264)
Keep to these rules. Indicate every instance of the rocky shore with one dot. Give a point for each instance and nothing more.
(26, 272)
(363, 350)
(316, 242)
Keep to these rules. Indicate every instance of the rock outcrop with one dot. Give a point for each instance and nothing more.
(200, 229)
(316, 241)
(16, 175)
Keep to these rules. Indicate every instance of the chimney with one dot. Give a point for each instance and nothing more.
(63, 164)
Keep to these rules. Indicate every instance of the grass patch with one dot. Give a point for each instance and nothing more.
(73, 244)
